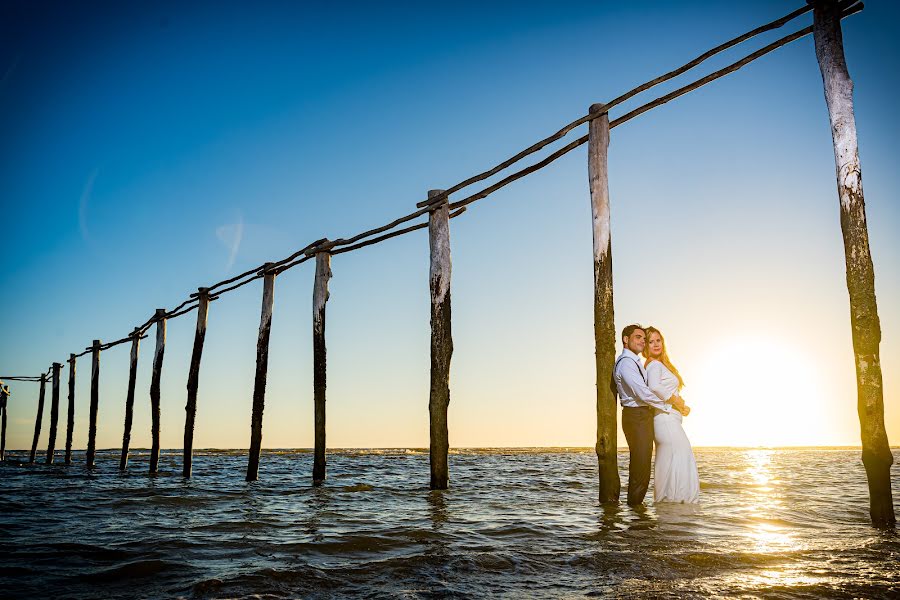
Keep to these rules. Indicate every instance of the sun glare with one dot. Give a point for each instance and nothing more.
(756, 391)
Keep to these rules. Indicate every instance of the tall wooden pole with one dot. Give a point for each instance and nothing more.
(70, 417)
(320, 297)
(604, 321)
(441, 342)
(155, 387)
(193, 381)
(866, 327)
(54, 413)
(39, 417)
(4, 407)
(95, 403)
(129, 398)
(262, 366)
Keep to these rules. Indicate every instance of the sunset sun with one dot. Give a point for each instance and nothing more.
(757, 391)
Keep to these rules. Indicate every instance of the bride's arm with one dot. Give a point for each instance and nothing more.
(654, 381)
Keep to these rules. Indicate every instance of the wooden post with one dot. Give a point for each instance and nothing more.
(154, 387)
(70, 420)
(4, 407)
(262, 366)
(441, 341)
(320, 297)
(604, 321)
(129, 398)
(866, 328)
(193, 381)
(95, 403)
(39, 417)
(54, 413)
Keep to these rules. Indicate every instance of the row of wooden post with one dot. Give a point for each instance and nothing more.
(439, 396)
(877, 457)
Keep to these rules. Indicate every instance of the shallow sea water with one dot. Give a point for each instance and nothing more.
(773, 523)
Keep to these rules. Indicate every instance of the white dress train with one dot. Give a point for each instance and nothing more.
(675, 477)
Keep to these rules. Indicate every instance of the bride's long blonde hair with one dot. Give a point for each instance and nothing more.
(664, 357)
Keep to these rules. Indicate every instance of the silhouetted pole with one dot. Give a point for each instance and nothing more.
(70, 417)
(441, 341)
(604, 322)
(320, 297)
(155, 387)
(193, 382)
(876, 454)
(54, 413)
(262, 366)
(4, 407)
(95, 403)
(39, 417)
(129, 397)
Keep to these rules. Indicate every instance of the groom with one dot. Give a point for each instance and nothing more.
(638, 402)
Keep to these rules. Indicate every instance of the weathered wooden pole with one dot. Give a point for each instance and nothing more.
(54, 412)
(70, 417)
(95, 403)
(39, 417)
(155, 386)
(320, 297)
(129, 398)
(876, 454)
(262, 366)
(604, 322)
(441, 341)
(193, 381)
(4, 407)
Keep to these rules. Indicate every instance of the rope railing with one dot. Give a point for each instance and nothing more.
(848, 7)
(439, 209)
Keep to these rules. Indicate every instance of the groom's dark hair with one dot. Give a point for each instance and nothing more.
(630, 329)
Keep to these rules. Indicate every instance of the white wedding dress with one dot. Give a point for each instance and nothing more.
(675, 477)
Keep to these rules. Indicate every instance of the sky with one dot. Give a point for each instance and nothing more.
(148, 149)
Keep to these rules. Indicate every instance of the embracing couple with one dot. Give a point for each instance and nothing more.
(652, 409)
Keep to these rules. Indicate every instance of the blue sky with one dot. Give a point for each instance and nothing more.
(147, 150)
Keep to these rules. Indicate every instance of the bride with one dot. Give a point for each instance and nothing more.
(675, 476)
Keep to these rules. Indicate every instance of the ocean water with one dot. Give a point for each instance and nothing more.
(774, 523)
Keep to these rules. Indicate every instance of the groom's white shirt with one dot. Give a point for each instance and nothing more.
(632, 384)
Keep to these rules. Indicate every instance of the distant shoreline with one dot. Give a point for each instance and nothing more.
(360, 449)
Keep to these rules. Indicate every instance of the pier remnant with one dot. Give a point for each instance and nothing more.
(70, 416)
(864, 321)
(54, 412)
(129, 398)
(441, 340)
(39, 417)
(4, 406)
(190, 409)
(262, 366)
(155, 380)
(95, 403)
(320, 298)
(604, 321)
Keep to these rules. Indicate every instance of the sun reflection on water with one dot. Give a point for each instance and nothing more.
(764, 504)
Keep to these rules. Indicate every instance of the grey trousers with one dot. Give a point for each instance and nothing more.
(637, 424)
